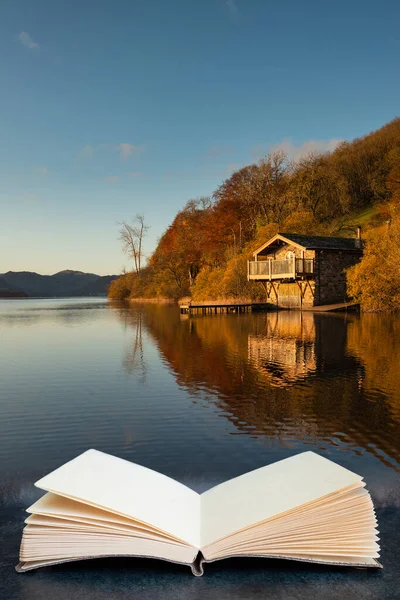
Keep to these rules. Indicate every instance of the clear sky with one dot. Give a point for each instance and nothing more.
(110, 108)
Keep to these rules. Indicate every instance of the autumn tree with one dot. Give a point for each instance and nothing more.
(364, 165)
(393, 178)
(233, 204)
(318, 188)
(190, 236)
(181, 250)
(254, 195)
(268, 189)
(303, 222)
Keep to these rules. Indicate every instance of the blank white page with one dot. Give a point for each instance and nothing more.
(266, 492)
(131, 490)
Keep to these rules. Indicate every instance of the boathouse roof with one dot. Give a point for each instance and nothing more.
(312, 242)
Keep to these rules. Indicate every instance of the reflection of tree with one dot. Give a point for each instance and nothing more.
(134, 360)
(375, 340)
(317, 381)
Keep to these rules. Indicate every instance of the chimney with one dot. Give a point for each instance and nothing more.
(357, 241)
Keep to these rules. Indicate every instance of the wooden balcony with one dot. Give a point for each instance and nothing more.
(269, 270)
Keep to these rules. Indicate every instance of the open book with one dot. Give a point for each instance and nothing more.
(303, 508)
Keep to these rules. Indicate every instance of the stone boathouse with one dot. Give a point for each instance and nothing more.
(299, 271)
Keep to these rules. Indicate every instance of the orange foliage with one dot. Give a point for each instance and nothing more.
(375, 281)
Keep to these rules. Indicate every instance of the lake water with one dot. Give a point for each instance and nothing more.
(201, 399)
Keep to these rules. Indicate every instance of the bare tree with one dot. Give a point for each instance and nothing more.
(131, 236)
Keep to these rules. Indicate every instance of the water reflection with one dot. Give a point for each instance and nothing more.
(287, 376)
(285, 352)
(134, 361)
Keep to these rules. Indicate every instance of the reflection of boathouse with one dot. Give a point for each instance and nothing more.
(285, 353)
(329, 386)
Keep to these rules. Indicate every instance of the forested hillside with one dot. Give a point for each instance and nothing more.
(203, 253)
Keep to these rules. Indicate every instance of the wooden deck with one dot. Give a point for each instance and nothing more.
(294, 268)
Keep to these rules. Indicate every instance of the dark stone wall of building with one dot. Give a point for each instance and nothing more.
(330, 279)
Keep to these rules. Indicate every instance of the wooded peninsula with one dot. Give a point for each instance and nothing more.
(204, 252)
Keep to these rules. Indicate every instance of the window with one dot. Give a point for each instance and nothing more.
(289, 255)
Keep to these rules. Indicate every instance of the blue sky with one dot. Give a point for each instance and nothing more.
(113, 108)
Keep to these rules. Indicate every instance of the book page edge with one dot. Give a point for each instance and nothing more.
(196, 566)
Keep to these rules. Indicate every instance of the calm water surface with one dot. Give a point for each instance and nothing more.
(201, 399)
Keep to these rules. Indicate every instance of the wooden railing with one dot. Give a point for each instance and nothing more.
(280, 269)
(304, 266)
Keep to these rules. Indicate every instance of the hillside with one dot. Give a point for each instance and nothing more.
(8, 291)
(62, 284)
(204, 252)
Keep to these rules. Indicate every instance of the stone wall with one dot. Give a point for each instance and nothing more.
(330, 277)
(281, 253)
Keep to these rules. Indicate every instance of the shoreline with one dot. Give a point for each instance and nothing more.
(188, 299)
(150, 300)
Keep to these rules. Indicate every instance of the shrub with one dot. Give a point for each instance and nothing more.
(375, 281)
(120, 288)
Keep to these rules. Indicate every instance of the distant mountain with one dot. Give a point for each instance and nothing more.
(97, 287)
(7, 291)
(64, 283)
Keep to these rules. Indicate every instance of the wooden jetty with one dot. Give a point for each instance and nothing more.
(207, 308)
(340, 307)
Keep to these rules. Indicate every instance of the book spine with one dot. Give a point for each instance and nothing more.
(197, 565)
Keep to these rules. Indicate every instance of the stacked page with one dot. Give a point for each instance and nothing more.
(305, 507)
